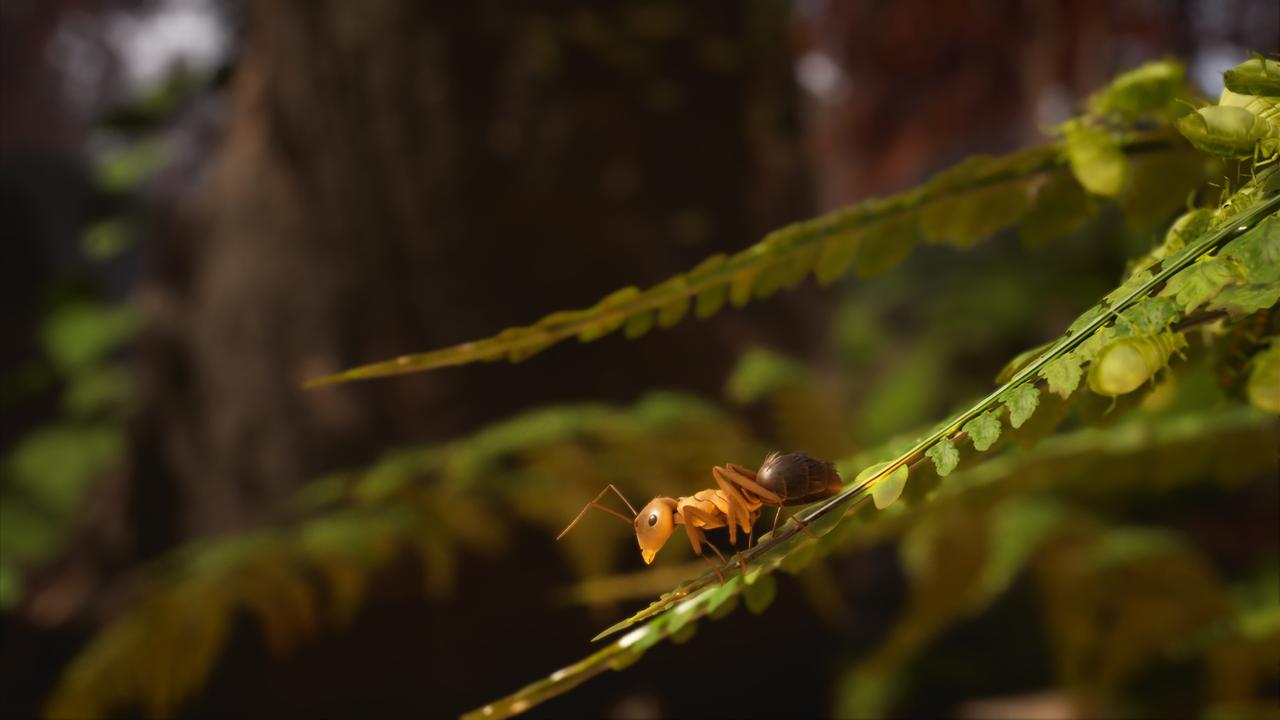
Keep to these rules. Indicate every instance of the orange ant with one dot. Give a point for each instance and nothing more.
(783, 480)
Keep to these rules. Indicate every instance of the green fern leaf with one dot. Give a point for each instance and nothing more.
(1241, 300)
(945, 456)
(1201, 282)
(884, 245)
(1021, 402)
(962, 221)
(836, 257)
(983, 430)
(1063, 375)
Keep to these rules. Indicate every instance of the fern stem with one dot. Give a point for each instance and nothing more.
(1238, 226)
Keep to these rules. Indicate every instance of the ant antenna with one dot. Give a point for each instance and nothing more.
(596, 504)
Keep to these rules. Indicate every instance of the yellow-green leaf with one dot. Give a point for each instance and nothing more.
(983, 430)
(1021, 402)
(1096, 159)
(945, 456)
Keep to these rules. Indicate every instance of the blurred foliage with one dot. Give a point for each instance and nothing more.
(84, 337)
(1108, 155)
(311, 570)
(45, 475)
(1009, 507)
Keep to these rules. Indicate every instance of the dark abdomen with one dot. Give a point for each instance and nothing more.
(799, 479)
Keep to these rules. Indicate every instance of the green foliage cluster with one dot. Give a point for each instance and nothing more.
(1040, 508)
(1226, 258)
(311, 569)
(45, 475)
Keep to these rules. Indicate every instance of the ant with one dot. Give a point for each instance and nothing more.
(782, 480)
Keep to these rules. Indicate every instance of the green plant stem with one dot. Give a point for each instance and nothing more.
(1067, 343)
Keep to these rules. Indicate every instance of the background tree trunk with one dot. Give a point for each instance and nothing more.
(399, 176)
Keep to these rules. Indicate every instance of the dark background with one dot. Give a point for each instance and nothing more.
(344, 182)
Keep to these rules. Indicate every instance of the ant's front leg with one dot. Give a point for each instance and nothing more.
(695, 514)
(697, 538)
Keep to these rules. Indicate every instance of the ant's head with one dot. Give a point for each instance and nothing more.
(654, 525)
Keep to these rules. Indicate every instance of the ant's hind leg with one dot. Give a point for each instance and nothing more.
(803, 525)
(734, 474)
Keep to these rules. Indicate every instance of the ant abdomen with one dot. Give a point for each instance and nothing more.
(799, 479)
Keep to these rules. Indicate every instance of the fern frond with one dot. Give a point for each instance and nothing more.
(310, 573)
(1073, 459)
(1246, 225)
(972, 200)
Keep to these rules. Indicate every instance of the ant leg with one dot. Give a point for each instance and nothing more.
(596, 504)
(803, 526)
(731, 491)
(715, 569)
(695, 514)
(733, 475)
(775, 520)
(741, 563)
(696, 539)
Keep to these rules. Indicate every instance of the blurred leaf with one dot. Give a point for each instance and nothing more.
(106, 239)
(1227, 131)
(1061, 208)
(125, 168)
(904, 396)
(1096, 159)
(26, 532)
(1257, 76)
(1263, 387)
(54, 465)
(888, 489)
(1153, 89)
(761, 373)
(1160, 186)
(10, 586)
(963, 221)
(79, 335)
(759, 595)
(97, 390)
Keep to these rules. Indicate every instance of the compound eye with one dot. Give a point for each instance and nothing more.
(653, 519)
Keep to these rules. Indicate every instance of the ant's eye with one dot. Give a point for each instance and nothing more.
(653, 519)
